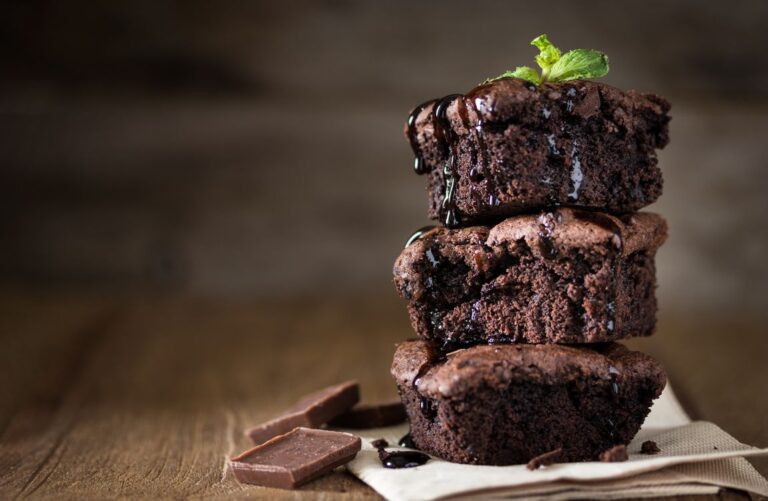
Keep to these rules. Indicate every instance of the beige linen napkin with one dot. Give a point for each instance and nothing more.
(695, 458)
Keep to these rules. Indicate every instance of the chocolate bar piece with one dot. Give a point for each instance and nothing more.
(371, 416)
(290, 460)
(311, 411)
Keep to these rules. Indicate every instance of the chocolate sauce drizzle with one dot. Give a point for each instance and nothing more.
(407, 441)
(577, 175)
(418, 164)
(478, 173)
(614, 375)
(418, 234)
(446, 139)
(398, 459)
(427, 407)
(402, 459)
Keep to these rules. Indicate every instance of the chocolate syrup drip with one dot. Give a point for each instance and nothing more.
(569, 102)
(398, 459)
(402, 459)
(463, 112)
(407, 441)
(418, 234)
(427, 408)
(547, 248)
(446, 140)
(418, 164)
(479, 171)
(443, 131)
(449, 205)
(614, 374)
(577, 175)
(610, 324)
(471, 98)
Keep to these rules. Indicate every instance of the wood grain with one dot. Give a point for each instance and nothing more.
(146, 397)
(161, 398)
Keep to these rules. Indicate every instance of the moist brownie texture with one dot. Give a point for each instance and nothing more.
(562, 276)
(509, 146)
(507, 404)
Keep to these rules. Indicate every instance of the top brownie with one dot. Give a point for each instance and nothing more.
(509, 146)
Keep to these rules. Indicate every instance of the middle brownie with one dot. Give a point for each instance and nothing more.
(562, 276)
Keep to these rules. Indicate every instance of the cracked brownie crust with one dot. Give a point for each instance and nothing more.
(507, 404)
(509, 146)
(563, 276)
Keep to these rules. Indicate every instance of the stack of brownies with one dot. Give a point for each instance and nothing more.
(540, 265)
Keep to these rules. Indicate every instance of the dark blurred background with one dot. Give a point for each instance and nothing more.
(255, 148)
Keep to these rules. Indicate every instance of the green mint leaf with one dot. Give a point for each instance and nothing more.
(548, 54)
(579, 64)
(559, 67)
(525, 73)
(521, 72)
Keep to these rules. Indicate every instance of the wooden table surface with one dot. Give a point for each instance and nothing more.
(137, 396)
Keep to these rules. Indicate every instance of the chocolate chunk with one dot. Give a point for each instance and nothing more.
(545, 459)
(311, 411)
(615, 454)
(649, 447)
(380, 443)
(407, 441)
(290, 460)
(371, 416)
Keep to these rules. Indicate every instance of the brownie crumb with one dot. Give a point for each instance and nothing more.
(615, 454)
(380, 443)
(545, 459)
(649, 447)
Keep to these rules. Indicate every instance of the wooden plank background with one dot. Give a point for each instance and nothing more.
(249, 147)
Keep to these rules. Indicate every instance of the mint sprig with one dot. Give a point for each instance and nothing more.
(558, 67)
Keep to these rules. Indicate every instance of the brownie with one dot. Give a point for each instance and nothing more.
(507, 404)
(561, 276)
(509, 146)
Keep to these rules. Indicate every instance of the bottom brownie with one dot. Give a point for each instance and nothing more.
(506, 404)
